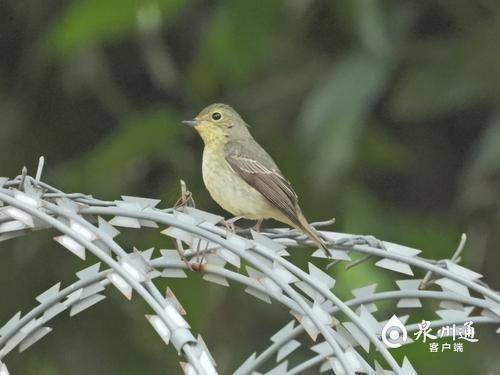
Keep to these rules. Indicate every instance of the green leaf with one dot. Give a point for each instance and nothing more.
(94, 21)
(334, 114)
(382, 150)
(363, 212)
(372, 27)
(237, 41)
(480, 175)
(108, 166)
(446, 75)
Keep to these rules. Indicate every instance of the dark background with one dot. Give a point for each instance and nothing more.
(384, 114)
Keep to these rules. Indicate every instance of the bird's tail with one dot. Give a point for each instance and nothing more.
(311, 232)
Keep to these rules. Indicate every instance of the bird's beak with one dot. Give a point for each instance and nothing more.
(192, 123)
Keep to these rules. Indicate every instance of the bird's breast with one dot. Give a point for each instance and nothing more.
(229, 190)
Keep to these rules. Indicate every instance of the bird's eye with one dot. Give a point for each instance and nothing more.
(216, 116)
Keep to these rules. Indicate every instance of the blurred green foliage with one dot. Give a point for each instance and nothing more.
(383, 113)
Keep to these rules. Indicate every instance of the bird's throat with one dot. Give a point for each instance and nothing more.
(210, 136)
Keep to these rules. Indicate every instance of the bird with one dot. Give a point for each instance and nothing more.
(242, 177)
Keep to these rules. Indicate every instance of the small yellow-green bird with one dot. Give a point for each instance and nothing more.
(241, 176)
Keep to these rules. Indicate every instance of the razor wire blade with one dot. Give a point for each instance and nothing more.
(332, 334)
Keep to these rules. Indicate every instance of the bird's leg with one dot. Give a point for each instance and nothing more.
(229, 223)
(257, 225)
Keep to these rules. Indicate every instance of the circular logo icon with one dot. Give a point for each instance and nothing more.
(394, 333)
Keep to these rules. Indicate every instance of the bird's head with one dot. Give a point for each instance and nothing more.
(219, 122)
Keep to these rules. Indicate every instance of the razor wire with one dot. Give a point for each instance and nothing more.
(337, 334)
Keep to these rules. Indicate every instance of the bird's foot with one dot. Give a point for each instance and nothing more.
(257, 225)
(230, 223)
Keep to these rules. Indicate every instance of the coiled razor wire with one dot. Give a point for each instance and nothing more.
(337, 329)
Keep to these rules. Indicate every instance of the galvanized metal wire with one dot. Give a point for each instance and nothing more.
(334, 330)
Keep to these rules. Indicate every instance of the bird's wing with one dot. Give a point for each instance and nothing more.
(258, 169)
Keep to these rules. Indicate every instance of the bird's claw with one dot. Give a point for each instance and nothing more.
(229, 223)
(229, 226)
(257, 225)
